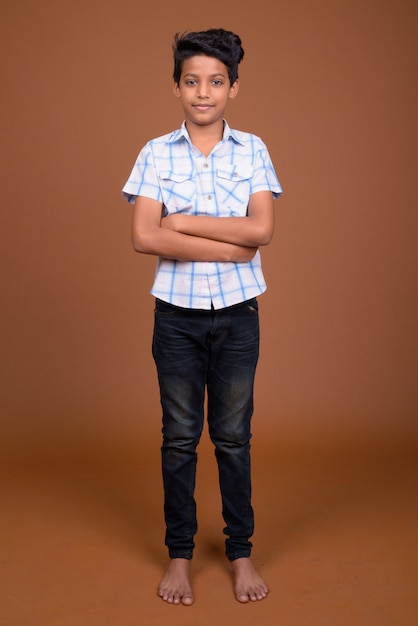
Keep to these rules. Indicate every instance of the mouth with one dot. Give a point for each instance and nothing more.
(202, 107)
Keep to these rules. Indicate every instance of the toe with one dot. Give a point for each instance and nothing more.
(187, 600)
(242, 597)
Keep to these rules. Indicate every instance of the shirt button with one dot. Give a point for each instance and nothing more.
(205, 165)
(209, 197)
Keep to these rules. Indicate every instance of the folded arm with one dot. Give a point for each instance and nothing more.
(255, 229)
(149, 237)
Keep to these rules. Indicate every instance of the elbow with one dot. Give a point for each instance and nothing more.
(263, 236)
(264, 241)
(136, 243)
(260, 232)
(140, 243)
(137, 247)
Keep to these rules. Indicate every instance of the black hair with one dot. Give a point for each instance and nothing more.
(221, 44)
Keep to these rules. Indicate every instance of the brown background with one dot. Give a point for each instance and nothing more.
(331, 88)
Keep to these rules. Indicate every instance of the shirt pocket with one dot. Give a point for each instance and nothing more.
(233, 183)
(178, 190)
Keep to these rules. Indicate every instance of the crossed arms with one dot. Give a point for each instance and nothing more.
(203, 238)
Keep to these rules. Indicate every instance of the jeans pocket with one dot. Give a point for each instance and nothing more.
(252, 306)
(164, 308)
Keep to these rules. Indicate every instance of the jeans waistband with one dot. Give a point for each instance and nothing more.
(251, 302)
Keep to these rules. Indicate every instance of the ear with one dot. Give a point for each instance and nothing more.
(176, 90)
(233, 91)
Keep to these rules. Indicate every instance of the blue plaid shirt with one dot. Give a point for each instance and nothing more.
(172, 171)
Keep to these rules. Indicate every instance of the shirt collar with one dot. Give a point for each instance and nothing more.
(182, 133)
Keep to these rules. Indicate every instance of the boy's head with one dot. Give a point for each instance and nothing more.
(221, 44)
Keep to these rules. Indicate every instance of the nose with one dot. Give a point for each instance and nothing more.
(203, 91)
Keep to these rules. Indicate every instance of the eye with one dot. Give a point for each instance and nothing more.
(217, 82)
(190, 82)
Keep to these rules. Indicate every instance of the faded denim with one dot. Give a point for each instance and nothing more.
(215, 351)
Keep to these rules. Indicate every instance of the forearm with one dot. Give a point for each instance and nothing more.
(243, 231)
(170, 244)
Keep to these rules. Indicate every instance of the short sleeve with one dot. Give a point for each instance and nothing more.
(265, 177)
(143, 180)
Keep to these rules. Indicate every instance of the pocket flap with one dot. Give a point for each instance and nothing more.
(235, 172)
(176, 177)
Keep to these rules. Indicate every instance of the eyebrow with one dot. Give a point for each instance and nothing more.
(211, 76)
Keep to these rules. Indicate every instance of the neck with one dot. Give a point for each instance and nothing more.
(205, 137)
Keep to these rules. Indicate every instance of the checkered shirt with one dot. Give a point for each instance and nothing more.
(172, 171)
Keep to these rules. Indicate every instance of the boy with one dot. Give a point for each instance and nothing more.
(203, 203)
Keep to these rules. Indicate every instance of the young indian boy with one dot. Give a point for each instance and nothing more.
(203, 204)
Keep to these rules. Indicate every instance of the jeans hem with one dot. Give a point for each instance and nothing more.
(240, 555)
(180, 555)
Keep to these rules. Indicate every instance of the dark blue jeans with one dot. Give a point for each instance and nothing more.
(215, 352)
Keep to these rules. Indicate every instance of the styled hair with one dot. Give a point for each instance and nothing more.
(221, 44)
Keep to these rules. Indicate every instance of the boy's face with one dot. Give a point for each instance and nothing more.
(204, 89)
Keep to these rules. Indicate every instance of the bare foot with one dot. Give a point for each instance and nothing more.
(175, 587)
(248, 584)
